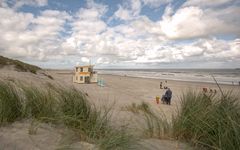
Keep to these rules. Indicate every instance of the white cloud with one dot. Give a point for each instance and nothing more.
(85, 60)
(138, 40)
(129, 11)
(190, 50)
(123, 14)
(23, 35)
(190, 22)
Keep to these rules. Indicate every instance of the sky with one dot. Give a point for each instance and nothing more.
(122, 33)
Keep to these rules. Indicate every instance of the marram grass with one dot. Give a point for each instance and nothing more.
(11, 107)
(208, 121)
(205, 121)
(64, 106)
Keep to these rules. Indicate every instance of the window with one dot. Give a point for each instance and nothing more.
(81, 78)
(76, 69)
(89, 69)
(81, 69)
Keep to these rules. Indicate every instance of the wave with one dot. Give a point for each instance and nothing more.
(193, 76)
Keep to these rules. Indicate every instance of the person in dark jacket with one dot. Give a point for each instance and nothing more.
(168, 96)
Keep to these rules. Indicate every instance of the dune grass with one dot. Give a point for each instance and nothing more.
(80, 114)
(66, 106)
(120, 139)
(209, 121)
(93, 124)
(40, 104)
(137, 108)
(155, 124)
(10, 103)
(205, 121)
(20, 66)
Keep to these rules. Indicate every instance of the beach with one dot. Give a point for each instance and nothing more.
(122, 91)
(125, 90)
(118, 93)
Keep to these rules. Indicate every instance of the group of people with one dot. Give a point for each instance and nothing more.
(163, 87)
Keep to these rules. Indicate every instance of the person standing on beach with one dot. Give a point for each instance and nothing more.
(168, 96)
(160, 85)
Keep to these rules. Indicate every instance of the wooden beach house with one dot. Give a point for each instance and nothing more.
(85, 74)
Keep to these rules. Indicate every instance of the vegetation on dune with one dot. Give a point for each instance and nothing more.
(20, 66)
(40, 104)
(155, 124)
(62, 106)
(209, 121)
(10, 103)
(206, 121)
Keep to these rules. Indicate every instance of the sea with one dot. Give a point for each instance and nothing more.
(222, 76)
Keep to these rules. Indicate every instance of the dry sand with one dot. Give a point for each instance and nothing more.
(119, 90)
(123, 90)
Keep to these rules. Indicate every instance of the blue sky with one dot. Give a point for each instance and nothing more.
(122, 33)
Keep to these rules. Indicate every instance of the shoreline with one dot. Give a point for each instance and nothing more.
(180, 81)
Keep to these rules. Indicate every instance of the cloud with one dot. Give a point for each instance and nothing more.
(191, 22)
(85, 60)
(123, 14)
(128, 11)
(57, 36)
(33, 37)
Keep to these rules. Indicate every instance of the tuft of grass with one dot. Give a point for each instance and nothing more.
(210, 122)
(136, 109)
(119, 139)
(155, 124)
(79, 114)
(40, 104)
(92, 124)
(11, 107)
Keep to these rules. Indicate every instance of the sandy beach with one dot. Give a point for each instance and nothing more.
(124, 90)
(118, 91)
(121, 90)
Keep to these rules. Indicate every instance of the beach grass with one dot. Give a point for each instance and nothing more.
(11, 107)
(209, 121)
(66, 106)
(137, 108)
(205, 121)
(155, 123)
(20, 66)
(40, 104)
(120, 139)
(78, 113)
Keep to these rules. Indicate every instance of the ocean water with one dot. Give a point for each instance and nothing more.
(223, 76)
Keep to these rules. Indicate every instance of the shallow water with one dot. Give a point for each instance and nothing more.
(223, 76)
